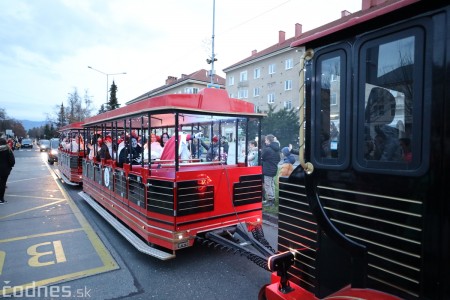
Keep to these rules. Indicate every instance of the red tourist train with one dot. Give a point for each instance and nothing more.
(366, 214)
(71, 153)
(162, 198)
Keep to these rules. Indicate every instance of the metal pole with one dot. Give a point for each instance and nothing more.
(107, 79)
(212, 43)
(107, 82)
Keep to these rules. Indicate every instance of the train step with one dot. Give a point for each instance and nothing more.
(64, 178)
(139, 244)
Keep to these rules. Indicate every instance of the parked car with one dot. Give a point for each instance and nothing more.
(44, 145)
(52, 152)
(26, 143)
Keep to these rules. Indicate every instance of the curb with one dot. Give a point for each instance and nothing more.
(270, 218)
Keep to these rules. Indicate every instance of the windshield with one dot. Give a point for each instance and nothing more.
(54, 144)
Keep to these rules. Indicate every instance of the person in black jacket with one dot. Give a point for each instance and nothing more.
(7, 162)
(270, 157)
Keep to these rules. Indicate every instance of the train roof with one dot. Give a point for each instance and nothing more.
(207, 101)
(72, 126)
(338, 28)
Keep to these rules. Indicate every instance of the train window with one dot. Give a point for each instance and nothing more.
(389, 94)
(329, 106)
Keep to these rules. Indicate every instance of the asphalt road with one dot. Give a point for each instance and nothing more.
(196, 272)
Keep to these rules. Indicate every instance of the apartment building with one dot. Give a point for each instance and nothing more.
(268, 77)
(186, 84)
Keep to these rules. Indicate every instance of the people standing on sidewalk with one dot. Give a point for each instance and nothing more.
(7, 162)
(270, 157)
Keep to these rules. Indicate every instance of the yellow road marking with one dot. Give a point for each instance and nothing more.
(2, 260)
(31, 236)
(27, 179)
(36, 255)
(30, 209)
(35, 197)
(108, 261)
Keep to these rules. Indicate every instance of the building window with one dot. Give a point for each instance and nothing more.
(257, 73)
(271, 98)
(272, 68)
(256, 108)
(231, 80)
(256, 92)
(288, 104)
(243, 76)
(288, 85)
(191, 90)
(289, 64)
(243, 94)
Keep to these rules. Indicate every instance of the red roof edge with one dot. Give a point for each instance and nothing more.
(352, 21)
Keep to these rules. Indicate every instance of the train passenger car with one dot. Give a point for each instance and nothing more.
(71, 153)
(197, 182)
(367, 216)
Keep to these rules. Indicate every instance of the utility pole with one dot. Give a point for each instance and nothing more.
(213, 56)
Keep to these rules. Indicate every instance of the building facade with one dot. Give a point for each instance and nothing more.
(268, 77)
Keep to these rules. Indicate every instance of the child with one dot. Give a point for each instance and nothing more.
(252, 157)
(288, 161)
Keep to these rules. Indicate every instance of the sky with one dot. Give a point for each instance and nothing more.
(46, 46)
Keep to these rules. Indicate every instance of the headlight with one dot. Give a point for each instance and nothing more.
(54, 152)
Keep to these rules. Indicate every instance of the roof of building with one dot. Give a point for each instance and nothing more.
(271, 49)
(346, 21)
(200, 76)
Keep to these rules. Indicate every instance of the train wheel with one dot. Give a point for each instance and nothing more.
(262, 293)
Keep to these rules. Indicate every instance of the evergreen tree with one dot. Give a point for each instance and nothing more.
(102, 109)
(284, 124)
(61, 121)
(113, 104)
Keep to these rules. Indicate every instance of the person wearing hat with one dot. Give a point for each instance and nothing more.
(288, 162)
(212, 150)
(105, 146)
(7, 162)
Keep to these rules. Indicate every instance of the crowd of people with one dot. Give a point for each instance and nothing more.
(271, 155)
(133, 150)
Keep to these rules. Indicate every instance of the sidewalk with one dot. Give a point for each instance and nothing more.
(44, 238)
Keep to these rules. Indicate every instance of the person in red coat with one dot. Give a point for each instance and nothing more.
(11, 144)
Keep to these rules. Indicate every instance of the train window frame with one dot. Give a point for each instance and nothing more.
(420, 127)
(342, 161)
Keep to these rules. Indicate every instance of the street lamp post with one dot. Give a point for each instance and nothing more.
(107, 79)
